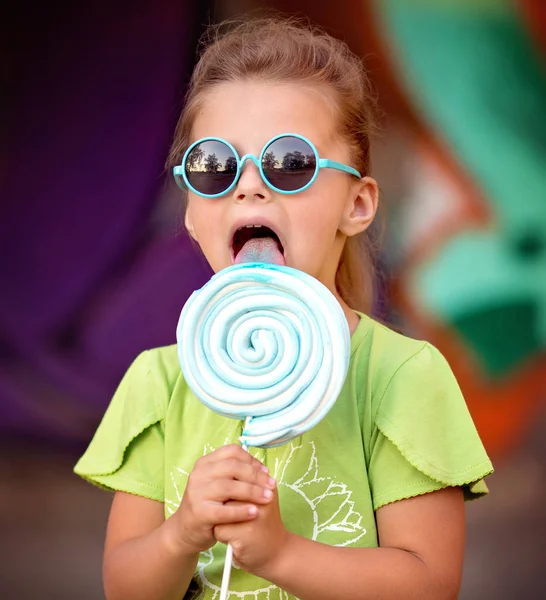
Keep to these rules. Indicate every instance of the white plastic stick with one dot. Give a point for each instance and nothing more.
(224, 589)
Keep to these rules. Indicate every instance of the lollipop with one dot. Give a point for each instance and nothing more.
(267, 344)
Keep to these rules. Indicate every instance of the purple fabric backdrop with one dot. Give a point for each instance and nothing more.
(91, 272)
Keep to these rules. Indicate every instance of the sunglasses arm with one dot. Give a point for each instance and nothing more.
(324, 163)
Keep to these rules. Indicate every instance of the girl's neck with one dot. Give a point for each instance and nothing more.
(352, 318)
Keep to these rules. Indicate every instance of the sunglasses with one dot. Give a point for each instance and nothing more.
(289, 163)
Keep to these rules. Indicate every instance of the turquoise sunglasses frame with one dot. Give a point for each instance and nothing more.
(321, 163)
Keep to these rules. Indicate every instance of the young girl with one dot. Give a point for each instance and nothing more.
(369, 503)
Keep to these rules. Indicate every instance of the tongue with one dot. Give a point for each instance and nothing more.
(264, 250)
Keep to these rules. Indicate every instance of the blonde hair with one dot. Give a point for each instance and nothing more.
(286, 49)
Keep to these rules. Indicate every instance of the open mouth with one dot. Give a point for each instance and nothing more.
(257, 243)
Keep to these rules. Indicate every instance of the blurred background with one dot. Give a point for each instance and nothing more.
(95, 266)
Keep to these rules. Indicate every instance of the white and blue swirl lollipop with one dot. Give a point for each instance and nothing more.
(265, 343)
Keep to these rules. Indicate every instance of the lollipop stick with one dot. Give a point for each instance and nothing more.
(224, 590)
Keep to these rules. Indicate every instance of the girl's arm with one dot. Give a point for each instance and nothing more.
(420, 555)
(149, 558)
(142, 560)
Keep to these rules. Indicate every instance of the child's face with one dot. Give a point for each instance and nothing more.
(313, 224)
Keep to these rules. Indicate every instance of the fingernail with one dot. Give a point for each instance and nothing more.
(268, 494)
(272, 483)
(264, 469)
(252, 510)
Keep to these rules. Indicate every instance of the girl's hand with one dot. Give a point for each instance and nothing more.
(227, 474)
(258, 543)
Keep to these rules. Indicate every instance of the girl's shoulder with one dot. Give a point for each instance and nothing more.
(161, 363)
(412, 400)
(384, 353)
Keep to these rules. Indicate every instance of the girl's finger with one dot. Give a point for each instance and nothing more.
(216, 513)
(224, 490)
(233, 468)
(233, 451)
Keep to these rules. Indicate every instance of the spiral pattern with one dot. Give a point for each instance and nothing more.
(267, 342)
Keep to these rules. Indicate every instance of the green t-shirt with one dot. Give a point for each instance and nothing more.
(399, 428)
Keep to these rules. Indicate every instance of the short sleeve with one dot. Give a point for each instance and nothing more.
(126, 452)
(425, 438)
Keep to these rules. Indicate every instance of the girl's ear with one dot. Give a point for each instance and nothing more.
(188, 224)
(360, 208)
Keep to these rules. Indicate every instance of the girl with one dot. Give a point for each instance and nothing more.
(369, 503)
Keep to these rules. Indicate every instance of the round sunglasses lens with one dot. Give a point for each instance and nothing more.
(211, 167)
(289, 163)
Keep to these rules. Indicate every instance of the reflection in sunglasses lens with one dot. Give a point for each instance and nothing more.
(211, 167)
(289, 163)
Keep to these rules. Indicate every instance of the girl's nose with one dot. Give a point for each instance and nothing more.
(250, 184)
